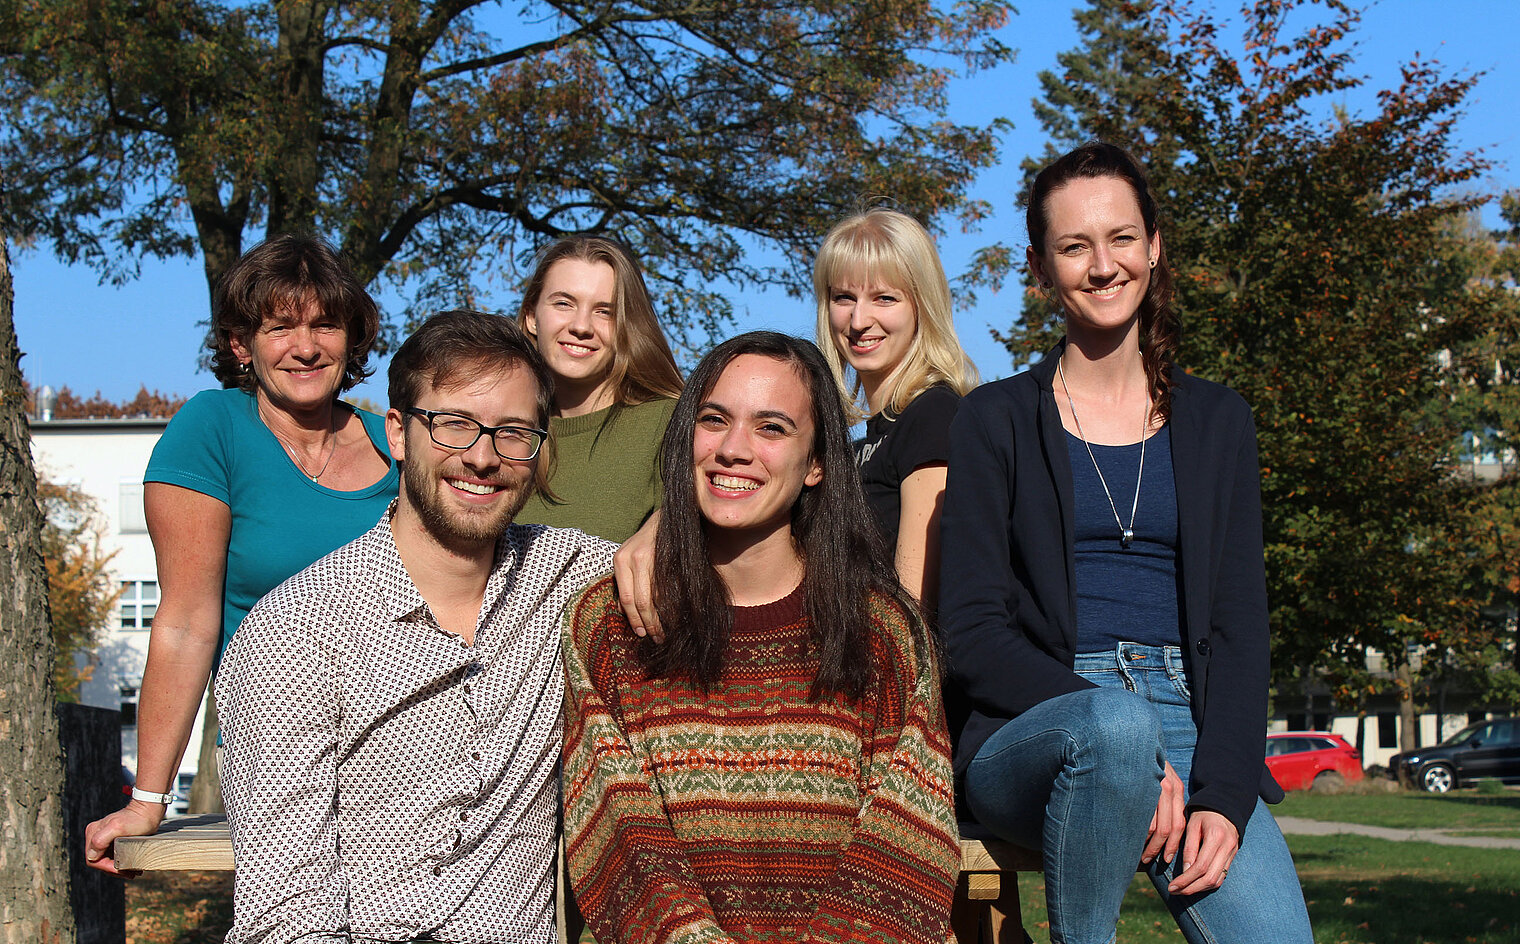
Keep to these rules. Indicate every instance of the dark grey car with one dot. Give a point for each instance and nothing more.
(1487, 750)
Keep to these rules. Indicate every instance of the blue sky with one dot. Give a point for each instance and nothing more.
(78, 333)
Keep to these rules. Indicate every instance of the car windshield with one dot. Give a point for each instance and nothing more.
(1464, 734)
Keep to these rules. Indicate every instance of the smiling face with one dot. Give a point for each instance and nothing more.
(297, 355)
(573, 324)
(872, 324)
(1097, 258)
(752, 451)
(465, 498)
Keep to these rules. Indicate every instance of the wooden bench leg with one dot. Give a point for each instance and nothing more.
(966, 915)
(987, 909)
(1005, 920)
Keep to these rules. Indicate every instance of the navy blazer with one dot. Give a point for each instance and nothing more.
(1008, 600)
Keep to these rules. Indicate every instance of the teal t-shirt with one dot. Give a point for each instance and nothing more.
(282, 521)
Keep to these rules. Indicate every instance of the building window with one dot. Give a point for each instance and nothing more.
(128, 707)
(1388, 729)
(139, 601)
(132, 518)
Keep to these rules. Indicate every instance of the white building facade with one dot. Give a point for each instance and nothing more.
(106, 459)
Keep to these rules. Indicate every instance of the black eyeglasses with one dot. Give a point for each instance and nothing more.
(453, 431)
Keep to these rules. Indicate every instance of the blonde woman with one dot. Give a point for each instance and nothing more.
(615, 384)
(885, 328)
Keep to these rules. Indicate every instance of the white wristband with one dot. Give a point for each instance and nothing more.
(146, 797)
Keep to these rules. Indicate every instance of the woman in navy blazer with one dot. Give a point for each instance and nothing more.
(1103, 597)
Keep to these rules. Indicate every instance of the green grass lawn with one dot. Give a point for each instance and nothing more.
(1459, 809)
(1359, 891)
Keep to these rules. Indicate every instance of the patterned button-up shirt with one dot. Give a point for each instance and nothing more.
(384, 780)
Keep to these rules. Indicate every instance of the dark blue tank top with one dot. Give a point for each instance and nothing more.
(1126, 594)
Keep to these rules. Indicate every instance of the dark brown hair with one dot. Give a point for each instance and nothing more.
(643, 368)
(845, 556)
(281, 273)
(454, 347)
(1160, 328)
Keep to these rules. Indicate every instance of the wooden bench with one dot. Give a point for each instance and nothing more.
(181, 843)
(986, 897)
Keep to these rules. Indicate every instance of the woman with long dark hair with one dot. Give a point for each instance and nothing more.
(615, 383)
(777, 770)
(1107, 620)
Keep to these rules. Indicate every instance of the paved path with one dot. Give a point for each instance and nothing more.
(1441, 837)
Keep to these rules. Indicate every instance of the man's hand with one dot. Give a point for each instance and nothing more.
(135, 819)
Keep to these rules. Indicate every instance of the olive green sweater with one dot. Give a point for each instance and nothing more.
(605, 473)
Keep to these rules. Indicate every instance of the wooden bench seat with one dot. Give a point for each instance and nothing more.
(986, 898)
(182, 842)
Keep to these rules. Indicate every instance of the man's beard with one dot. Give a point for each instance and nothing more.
(452, 526)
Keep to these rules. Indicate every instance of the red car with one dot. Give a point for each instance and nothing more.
(1303, 759)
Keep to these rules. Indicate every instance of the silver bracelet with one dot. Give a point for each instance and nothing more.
(146, 797)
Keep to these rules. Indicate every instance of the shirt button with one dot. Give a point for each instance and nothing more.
(474, 755)
(467, 688)
(1203, 647)
(437, 870)
(464, 815)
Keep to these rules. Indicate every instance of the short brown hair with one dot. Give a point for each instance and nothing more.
(280, 273)
(453, 346)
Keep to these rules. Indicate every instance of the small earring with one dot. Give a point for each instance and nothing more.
(1153, 263)
(246, 366)
(1045, 285)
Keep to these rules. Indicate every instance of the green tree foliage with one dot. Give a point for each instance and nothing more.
(1486, 398)
(82, 591)
(438, 141)
(1314, 276)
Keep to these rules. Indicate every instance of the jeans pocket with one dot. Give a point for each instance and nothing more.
(1180, 683)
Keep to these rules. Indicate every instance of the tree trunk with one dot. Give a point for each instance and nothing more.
(1409, 723)
(34, 865)
(206, 791)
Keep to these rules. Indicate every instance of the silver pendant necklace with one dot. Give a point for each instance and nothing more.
(295, 456)
(1126, 535)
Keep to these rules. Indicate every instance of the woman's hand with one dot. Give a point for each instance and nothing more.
(1169, 821)
(134, 819)
(1206, 855)
(633, 571)
(190, 532)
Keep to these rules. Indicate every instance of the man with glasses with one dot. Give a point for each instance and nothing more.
(391, 715)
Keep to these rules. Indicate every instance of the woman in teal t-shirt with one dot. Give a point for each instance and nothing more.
(251, 484)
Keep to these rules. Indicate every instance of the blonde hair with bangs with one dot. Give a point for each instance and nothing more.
(884, 245)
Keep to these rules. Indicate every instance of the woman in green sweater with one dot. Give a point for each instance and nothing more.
(615, 384)
(778, 770)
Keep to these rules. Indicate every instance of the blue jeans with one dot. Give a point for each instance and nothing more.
(1078, 778)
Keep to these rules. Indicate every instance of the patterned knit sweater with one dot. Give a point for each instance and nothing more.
(748, 813)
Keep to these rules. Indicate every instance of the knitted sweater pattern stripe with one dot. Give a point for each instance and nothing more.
(747, 812)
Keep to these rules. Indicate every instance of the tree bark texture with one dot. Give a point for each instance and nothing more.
(34, 864)
(206, 790)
